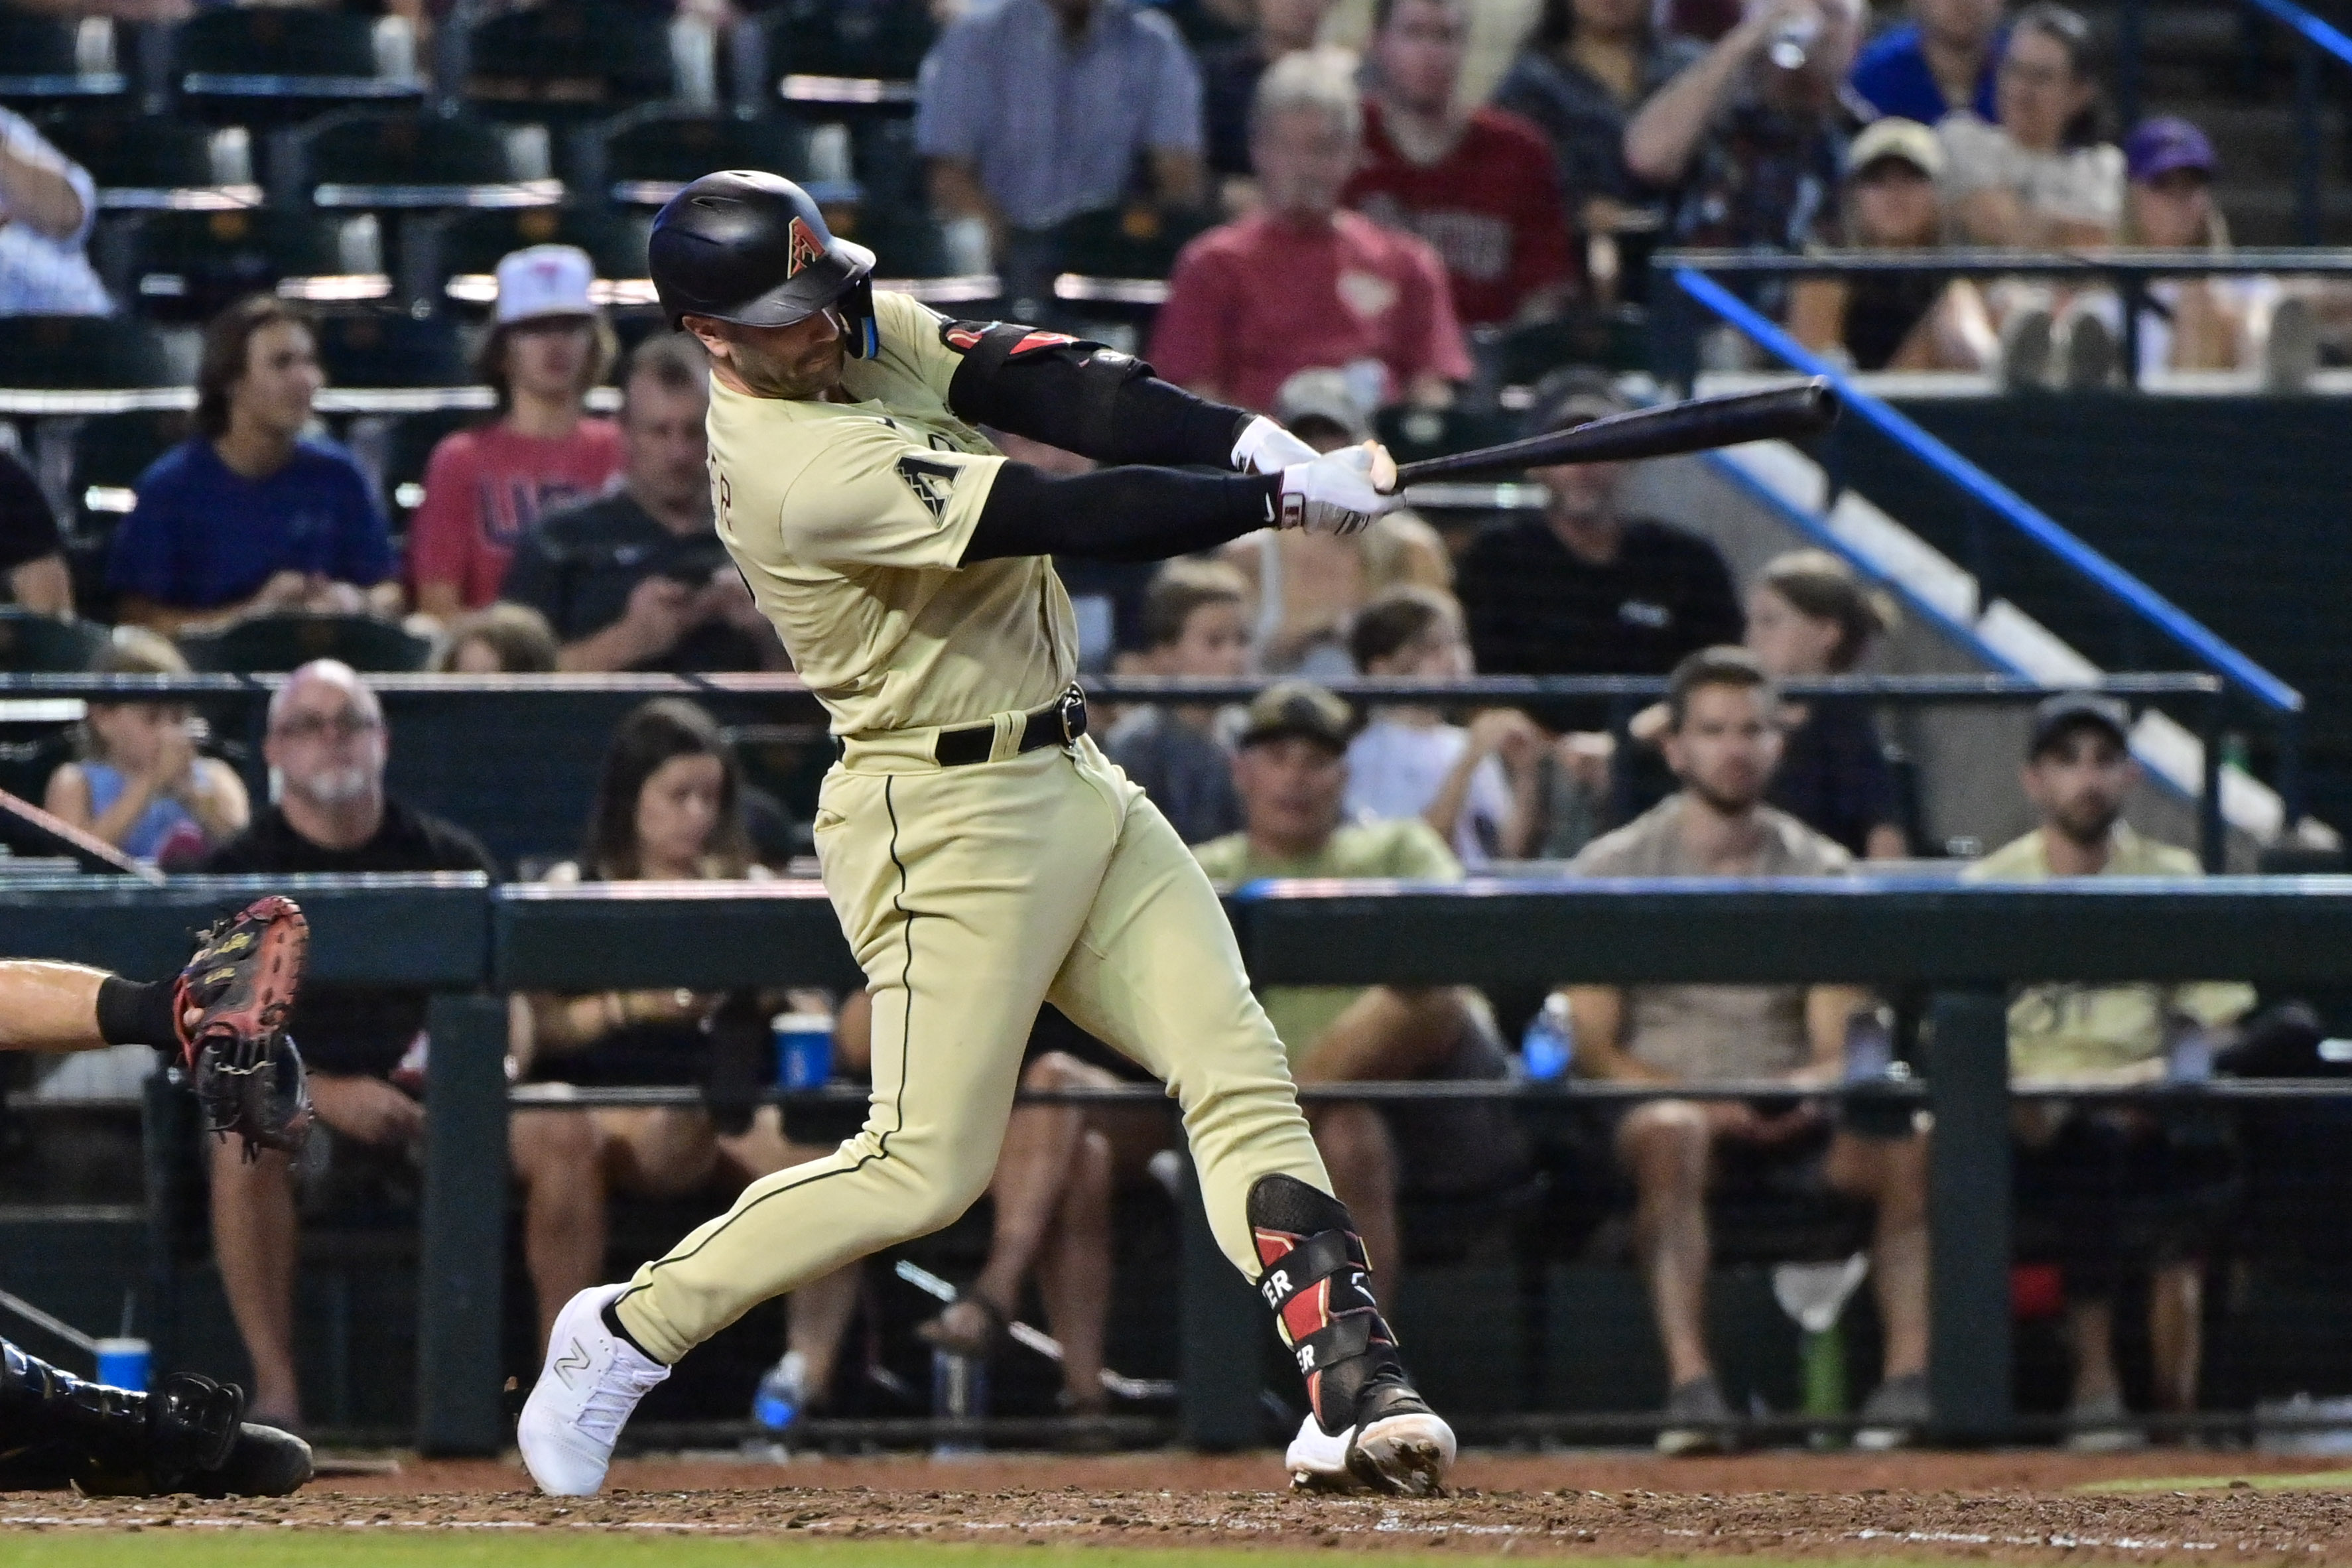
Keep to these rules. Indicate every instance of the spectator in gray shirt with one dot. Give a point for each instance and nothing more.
(1195, 623)
(1033, 112)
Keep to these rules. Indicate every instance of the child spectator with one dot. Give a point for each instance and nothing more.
(500, 639)
(1476, 787)
(1195, 623)
(484, 487)
(1899, 321)
(140, 783)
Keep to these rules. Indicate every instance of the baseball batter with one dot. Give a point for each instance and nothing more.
(982, 855)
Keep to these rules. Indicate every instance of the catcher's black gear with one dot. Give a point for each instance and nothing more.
(750, 248)
(188, 1435)
(242, 985)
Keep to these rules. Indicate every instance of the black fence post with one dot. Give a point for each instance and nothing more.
(1221, 1341)
(2130, 59)
(459, 1318)
(2306, 141)
(1969, 1218)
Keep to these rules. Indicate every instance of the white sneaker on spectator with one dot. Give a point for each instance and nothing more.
(1897, 1413)
(2027, 342)
(2091, 354)
(1698, 1420)
(2101, 1426)
(592, 1380)
(2291, 352)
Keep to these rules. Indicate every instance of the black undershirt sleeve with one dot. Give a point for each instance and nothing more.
(1087, 399)
(1134, 513)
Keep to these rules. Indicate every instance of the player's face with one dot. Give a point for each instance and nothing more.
(1785, 640)
(1303, 157)
(1215, 645)
(803, 360)
(2079, 783)
(1727, 746)
(677, 808)
(1419, 54)
(281, 380)
(663, 446)
(1290, 789)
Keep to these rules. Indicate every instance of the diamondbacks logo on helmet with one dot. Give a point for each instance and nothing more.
(803, 250)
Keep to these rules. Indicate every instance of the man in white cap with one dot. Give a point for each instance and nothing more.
(484, 487)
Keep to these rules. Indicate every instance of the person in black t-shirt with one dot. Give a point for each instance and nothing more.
(364, 1047)
(1584, 590)
(31, 552)
(637, 579)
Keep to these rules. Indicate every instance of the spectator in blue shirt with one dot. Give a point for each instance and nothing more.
(1944, 60)
(1033, 112)
(252, 517)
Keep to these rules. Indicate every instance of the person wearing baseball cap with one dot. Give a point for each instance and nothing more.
(1290, 770)
(1904, 322)
(2078, 774)
(547, 344)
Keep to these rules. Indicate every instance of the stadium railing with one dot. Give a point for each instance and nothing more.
(1690, 272)
(1966, 945)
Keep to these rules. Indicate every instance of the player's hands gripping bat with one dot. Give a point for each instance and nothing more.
(1341, 493)
(1265, 447)
(1781, 413)
(232, 1005)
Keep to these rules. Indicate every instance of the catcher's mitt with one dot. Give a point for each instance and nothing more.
(240, 988)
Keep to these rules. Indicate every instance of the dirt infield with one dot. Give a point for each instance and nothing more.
(2004, 1507)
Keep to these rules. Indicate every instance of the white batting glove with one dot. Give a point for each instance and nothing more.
(1340, 492)
(1265, 447)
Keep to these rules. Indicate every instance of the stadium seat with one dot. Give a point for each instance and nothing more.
(1613, 341)
(59, 353)
(281, 63)
(109, 452)
(906, 243)
(467, 245)
(43, 60)
(138, 161)
(570, 61)
(833, 51)
(408, 444)
(273, 643)
(1135, 242)
(186, 266)
(375, 158)
(649, 153)
(31, 644)
(391, 348)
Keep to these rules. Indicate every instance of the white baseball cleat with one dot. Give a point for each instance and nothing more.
(593, 1380)
(1405, 1455)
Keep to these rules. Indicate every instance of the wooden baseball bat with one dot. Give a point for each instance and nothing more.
(1780, 414)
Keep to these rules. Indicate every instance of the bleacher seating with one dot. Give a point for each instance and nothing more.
(572, 61)
(81, 351)
(34, 644)
(466, 246)
(385, 347)
(278, 64)
(47, 60)
(648, 154)
(147, 161)
(187, 265)
(290, 641)
(366, 158)
(835, 51)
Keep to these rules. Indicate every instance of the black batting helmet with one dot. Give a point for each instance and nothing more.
(750, 248)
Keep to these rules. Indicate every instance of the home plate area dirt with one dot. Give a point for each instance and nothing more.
(2004, 1507)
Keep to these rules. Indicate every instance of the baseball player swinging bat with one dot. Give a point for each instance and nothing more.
(983, 854)
(1777, 413)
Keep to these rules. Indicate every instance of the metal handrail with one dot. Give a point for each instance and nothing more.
(1975, 262)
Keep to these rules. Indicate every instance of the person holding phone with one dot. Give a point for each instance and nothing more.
(637, 579)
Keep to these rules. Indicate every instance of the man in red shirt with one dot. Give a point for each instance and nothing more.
(1480, 186)
(1301, 283)
(484, 487)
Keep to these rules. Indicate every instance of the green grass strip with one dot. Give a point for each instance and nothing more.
(2298, 1481)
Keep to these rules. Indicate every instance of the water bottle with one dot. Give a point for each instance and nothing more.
(1549, 1047)
(782, 1394)
(958, 1393)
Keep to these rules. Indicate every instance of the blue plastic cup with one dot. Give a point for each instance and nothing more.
(803, 1050)
(123, 1364)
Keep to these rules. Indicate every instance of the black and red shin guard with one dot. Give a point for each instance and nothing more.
(1317, 1280)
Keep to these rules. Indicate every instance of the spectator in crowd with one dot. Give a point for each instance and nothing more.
(32, 552)
(1033, 112)
(1476, 788)
(1307, 587)
(501, 640)
(47, 205)
(1196, 625)
(1230, 71)
(2122, 1186)
(1299, 282)
(1722, 741)
(1586, 590)
(2039, 175)
(140, 783)
(1479, 185)
(1590, 66)
(1809, 616)
(365, 1047)
(1751, 138)
(1894, 321)
(1940, 60)
(1292, 774)
(484, 488)
(251, 516)
(637, 579)
(669, 808)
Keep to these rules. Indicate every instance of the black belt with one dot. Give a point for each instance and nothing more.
(1058, 723)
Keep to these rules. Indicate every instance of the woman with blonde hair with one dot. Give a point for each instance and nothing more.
(140, 783)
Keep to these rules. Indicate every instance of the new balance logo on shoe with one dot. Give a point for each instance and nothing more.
(573, 1360)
